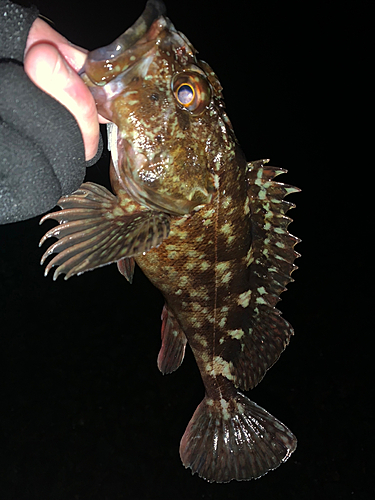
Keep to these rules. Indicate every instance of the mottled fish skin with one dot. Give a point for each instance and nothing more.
(208, 229)
(156, 134)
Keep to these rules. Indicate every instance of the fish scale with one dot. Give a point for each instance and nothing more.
(206, 227)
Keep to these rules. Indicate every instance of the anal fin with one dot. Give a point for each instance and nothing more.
(234, 439)
(174, 341)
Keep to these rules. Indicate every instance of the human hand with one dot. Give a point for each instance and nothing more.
(52, 63)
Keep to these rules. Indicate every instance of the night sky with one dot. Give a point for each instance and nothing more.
(85, 413)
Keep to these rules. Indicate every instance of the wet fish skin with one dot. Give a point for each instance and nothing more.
(224, 304)
(208, 228)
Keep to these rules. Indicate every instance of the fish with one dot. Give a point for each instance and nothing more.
(208, 228)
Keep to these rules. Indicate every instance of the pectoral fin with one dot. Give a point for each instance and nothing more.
(96, 228)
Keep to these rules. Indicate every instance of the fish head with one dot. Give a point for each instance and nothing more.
(168, 112)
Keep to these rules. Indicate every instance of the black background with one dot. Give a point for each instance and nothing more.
(85, 414)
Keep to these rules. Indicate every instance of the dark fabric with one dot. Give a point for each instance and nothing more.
(15, 23)
(42, 154)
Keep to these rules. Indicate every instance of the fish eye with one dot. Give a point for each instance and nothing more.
(185, 94)
(192, 91)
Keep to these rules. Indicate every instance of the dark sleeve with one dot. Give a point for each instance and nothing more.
(42, 154)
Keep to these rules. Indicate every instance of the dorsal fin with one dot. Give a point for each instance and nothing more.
(264, 333)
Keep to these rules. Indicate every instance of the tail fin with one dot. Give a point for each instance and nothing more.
(235, 439)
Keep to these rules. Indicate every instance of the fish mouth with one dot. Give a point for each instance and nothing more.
(105, 63)
(110, 72)
(153, 10)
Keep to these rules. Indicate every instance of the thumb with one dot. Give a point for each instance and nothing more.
(46, 67)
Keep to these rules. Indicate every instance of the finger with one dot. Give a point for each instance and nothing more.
(75, 56)
(40, 31)
(46, 67)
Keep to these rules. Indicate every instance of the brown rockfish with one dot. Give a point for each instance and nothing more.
(208, 229)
